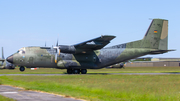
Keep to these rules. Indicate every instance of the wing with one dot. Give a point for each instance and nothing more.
(86, 46)
(95, 44)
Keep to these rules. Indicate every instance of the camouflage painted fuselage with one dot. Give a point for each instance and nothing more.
(37, 57)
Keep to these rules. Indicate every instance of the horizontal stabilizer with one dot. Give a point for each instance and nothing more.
(160, 51)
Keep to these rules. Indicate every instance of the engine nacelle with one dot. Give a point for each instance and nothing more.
(121, 65)
(67, 49)
(68, 63)
(75, 64)
(9, 66)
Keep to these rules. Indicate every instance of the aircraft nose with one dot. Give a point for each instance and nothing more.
(10, 59)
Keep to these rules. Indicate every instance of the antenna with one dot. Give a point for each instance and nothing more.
(45, 43)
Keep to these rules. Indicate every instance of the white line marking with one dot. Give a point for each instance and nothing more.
(8, 92)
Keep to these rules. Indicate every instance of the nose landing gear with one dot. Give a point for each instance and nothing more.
(22, 68)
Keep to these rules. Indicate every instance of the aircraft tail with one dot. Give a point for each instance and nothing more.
(156, 36)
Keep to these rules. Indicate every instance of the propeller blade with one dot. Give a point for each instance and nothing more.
(2, 63)
(3, 57)
(56, 58)
(2, 54)
(57, 43)
(57, 53)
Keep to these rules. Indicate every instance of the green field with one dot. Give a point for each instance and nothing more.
(100, 87)
(2, 98)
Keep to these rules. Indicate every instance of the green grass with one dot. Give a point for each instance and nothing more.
(94, 71)
(3, 98)
(100, 87)
(104, 87)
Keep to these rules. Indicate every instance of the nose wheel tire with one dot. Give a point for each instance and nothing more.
(22, 68)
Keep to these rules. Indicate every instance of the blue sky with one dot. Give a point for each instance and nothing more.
(33, 22)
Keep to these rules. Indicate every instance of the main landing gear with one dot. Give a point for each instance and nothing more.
(76, 71)
(22, 68)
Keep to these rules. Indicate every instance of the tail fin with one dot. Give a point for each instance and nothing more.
(2, 54)
(156, 36)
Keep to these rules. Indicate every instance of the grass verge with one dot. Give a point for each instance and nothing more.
(3, 98)
(104, 87)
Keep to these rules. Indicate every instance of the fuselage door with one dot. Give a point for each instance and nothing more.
(31, 60)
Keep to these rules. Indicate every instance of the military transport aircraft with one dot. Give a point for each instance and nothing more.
(5, 64)
(91, 54)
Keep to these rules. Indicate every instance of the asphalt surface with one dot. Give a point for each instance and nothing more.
(170, 73)
(20, 94)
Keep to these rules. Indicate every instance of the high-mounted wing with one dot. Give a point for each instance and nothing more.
(84, 47)
(95, 44)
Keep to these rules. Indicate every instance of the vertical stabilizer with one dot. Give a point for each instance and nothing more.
(156, 36)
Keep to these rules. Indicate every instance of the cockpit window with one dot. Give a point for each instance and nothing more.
(21, 51)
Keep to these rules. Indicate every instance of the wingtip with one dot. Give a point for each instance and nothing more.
(109, 36)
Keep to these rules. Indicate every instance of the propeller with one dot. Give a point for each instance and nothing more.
(2, 54)
(3, 59)
(57, 52)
